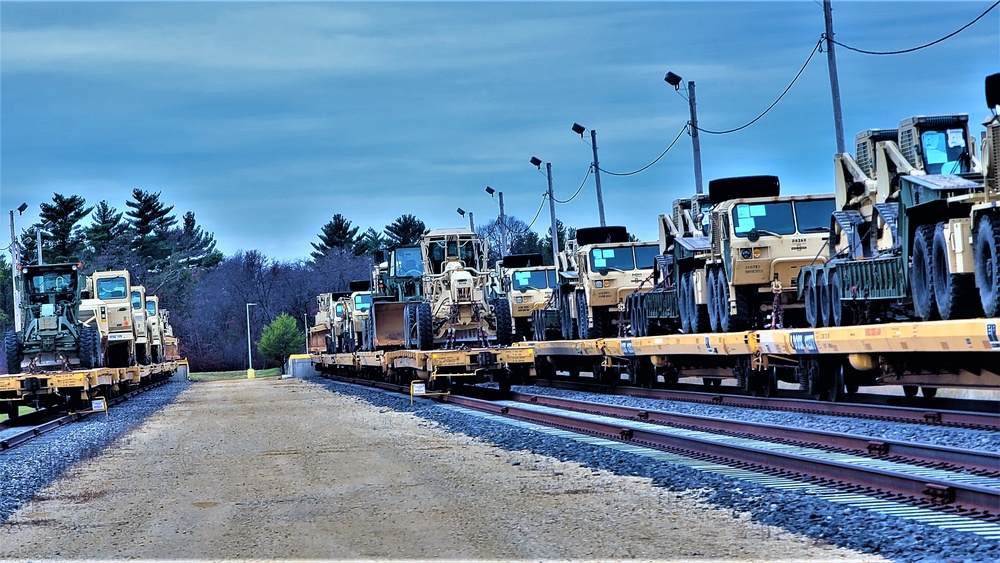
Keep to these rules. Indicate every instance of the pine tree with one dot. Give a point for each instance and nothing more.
(65, 240)
(336, 234)
(107, 226)
(405, 230)
(151, 223)
(368, 242)
(194, 246)
(280, 339)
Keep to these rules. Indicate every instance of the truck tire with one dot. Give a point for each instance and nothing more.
(566, 320)
(841, 313)
(954, 293)
(582, 316)
(714, 301)
(740, 320)
(87, 346)
(684, 302)
(425, 326)
(987, 264)
(699, 313)
(921, 274)
(12, 346)
(823, 294)
(811, 300)
(504, 321)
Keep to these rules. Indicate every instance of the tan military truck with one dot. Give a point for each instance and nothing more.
(155, 322)
(349, 325)
(140, 325)
(113, 289)
(528, 286)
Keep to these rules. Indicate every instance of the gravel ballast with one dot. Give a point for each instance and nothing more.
(886, 536)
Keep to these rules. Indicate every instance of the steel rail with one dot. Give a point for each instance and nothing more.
(937, 417)
(974, 500)
(44, 428)
(882, 448)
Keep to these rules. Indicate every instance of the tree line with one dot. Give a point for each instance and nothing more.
(207, 292)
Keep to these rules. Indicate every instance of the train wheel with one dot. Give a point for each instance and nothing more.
(921, 269)
(714, 299)
(425, 336)
(910, 390)
(987, 264)
(953, 292)
(834, 384)
(929, 392)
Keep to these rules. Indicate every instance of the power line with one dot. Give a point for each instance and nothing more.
(578, 190)
(789, 87)
(655, 160)
(537, 213)
(924, 46)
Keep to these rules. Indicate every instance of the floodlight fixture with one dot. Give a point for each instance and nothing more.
(21, 208)
(579, 129)
(460, 211)
(490, 191)
(536, 162)
(673, 80)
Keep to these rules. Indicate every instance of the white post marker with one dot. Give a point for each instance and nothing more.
(98, 404)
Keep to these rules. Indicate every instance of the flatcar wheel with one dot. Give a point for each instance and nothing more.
(835, 384)
(987, 264)
(910, 390)
(929, 392)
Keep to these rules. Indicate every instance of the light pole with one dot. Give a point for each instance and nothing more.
(579, 130)
(462, 212)
(537, 163)
(831, 63)
(675, 81)
(15, 266)
(39, 231)
(503, 222)
(249, 352)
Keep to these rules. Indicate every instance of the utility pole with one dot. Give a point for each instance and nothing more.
(597, 177)
(831, 59)
(552, 211)
(15, 266)
(695, 143)
(472, 225)
(503, 229)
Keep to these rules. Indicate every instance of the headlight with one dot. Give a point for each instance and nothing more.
(745, 253)
(520, 299)
(599, 283)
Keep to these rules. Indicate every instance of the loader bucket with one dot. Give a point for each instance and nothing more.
(389, 327)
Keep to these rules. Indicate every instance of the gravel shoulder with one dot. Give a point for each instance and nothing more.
(286, 469)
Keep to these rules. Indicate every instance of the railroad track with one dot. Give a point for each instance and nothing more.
(939, 417)
(943, 486)
(32, 432)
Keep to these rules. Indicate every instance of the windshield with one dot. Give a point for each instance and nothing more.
(813, 216)
(111, 288)
(944, 151)
(136, 300)
(532, 279)
(612, 258)
(362, 302)
(766, 218)
(339, 310)
(645, 256)
(465, 249)
(408, 262)
(50, 282)
(151, 307)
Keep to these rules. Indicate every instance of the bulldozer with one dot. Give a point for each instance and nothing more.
(52, 338)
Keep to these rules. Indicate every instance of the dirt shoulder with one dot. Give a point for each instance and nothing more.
(269, 469)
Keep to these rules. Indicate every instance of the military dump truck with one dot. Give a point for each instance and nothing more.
(726, 255)
(52, 339)
(155, 322)
(454, 308)
(917, 229)
(140, 325)
(110, 307)
(597, 271)
(529, 286)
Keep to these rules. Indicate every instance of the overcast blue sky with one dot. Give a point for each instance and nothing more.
(265, 119)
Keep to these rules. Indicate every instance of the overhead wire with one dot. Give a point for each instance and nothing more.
(537, 213)
(925, 45)
(655, 160)
(815, 50)
(578, 190)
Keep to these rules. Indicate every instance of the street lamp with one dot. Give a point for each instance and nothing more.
(39, 231)
(503, 222)
(462, 212)
(675, 81)
(15, 265)
(249, 352)
(537, 163)
(579, 130)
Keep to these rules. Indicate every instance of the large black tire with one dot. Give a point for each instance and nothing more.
(955, 293)
(537, 326)
(87, 346)
(921, 274)
(823, 294)
(12, 345)
(714, 301)
(141, 357)
(425, 327)
(987, 264)
(811, 301)
(740, 320)
(683, 303)
(840, 312)
(566, 320)
(582, 316)
(505, 331)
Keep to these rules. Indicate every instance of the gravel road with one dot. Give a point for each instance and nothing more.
(269, 469)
